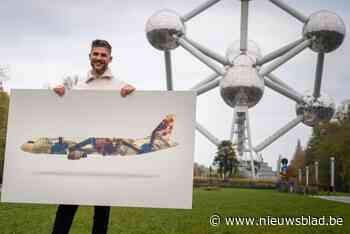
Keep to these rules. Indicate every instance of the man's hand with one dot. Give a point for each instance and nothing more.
(59, 90)
(126, 90)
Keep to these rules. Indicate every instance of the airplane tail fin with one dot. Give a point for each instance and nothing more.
(164, 129)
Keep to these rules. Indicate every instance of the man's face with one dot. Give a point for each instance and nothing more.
(99, 59)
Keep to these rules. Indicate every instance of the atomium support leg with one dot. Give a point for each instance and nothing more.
(279, 52)
(290, 10)
(285, 92)
(240, 116)
(199, 10)
(207, 134)
(244, 25)
(268, 141)
(240, 128)
(217, 57)
(286, 57)
(232, 133)
(199, 55)
(205, 81)
(250, 145)
(169, 79)
(319, 71)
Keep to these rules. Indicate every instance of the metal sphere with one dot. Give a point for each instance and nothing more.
(242, 85)
(4, 73)
(327, 29)
(317, 110)
(161, 27)
(233, 51)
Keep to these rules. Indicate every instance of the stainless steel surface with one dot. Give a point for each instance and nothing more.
(250, 144)
(207, 87)
(279, 52)
(4, 73)
(207, 134)
(285, 92)
(275, 79)
(244, 25)
(161, 27)
(206, 81)
(286, 57)
(232, 132)
(213, 55)
(199, 9)
(169, 75)
(319, 72)
(199, 55)
(315, 110)
(290, 10)
(241, 121)
(328, 30)
(268, 141)
(242, 84)
(233, 51)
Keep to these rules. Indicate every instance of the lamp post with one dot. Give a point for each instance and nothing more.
(332, 173)
(316, 172)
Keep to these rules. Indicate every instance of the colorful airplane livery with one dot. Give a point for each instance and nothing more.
(76, 149)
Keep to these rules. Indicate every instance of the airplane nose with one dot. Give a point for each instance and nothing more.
(27, 147)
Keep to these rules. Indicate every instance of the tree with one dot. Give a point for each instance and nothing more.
(298, 160)
(331, 140)
(200, 170)
(4, 106)
(225, 159)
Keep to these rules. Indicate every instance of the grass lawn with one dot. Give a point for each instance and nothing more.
(15, 218)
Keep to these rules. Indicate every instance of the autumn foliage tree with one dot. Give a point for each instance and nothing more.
(298, 160)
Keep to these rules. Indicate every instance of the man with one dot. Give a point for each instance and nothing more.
(99, 77)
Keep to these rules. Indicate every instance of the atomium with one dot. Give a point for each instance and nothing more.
(244, 72)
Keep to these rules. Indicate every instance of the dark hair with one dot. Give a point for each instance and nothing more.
(101, 43)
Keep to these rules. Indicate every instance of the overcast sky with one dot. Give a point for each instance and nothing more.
(43, 41)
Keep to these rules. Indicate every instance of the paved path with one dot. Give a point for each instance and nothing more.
(344, 199)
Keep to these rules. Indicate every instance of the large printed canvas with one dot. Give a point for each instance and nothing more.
(97, 148)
